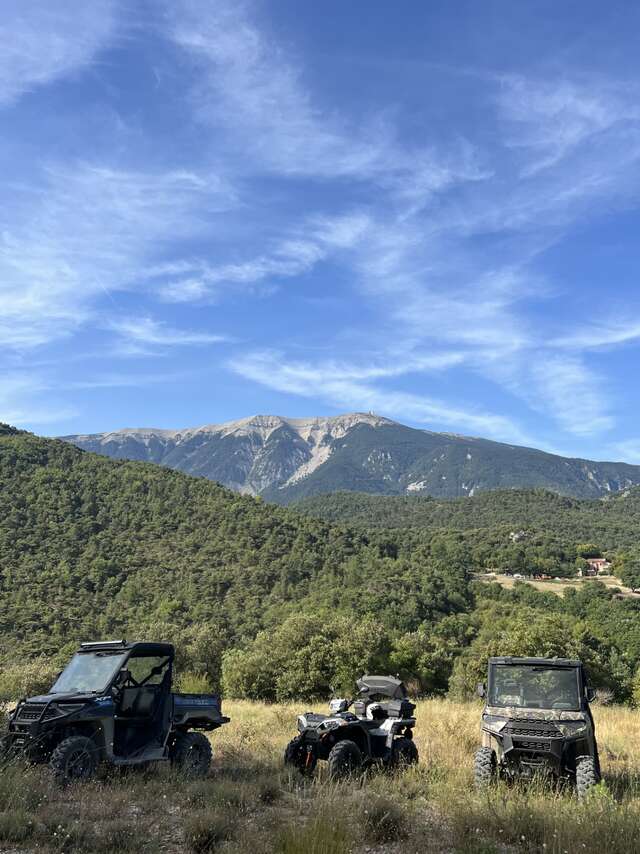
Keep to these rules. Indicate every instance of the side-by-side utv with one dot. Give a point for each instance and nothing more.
(113, 703)
(537, 721)
(379, 730)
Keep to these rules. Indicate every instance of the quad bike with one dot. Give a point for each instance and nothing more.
(379, 731)
(537, 722)
(113, 703)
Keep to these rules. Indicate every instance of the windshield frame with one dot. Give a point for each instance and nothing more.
(119, 658)
(492, 699)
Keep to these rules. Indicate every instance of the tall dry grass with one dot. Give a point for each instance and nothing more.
(250, 804)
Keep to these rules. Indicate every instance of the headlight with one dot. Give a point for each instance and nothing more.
(494, 723)
(331, 724)
(572, 728)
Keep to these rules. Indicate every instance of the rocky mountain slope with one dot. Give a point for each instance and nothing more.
(285, 459)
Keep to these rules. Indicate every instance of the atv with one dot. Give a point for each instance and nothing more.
(537, 722)
(379, 731)
(113, 703)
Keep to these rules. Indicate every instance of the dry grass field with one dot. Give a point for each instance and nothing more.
(550, 585)
(249, 804)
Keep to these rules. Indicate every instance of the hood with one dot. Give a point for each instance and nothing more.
(523, 713)
(79, 697)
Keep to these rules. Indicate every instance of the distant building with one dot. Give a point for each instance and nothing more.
(595, 566)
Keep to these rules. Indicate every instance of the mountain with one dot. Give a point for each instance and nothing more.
(286, 459)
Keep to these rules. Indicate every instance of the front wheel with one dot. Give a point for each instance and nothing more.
(484, 767)
(587, 775)
(345, 760)
(191, 754)
(405, 753)
(299, 756)
(75, 759)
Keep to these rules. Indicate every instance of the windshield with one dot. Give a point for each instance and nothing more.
(88, 671)
(534, 686)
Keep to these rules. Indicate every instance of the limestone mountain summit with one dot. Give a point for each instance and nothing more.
(284, 459)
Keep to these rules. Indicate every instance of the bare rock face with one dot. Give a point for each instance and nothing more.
(284, 459)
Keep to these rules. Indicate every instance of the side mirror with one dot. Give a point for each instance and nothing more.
(591, 694)
(338, 705)
(481, 690)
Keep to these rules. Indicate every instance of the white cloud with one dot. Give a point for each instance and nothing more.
(291, 256)
(147, 331)
(553, 117)
(256, 94)
(595, 336)
(569, 392)
(628, 450)
(85, 233)
(21, 401)
(44, 41)
(349, 386)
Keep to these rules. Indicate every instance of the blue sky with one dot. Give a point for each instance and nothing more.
(430, 210)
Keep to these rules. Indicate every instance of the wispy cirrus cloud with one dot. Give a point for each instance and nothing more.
(352, 387)
(22, 401)
(84, 233)
(43, 42)
(602, 335)
(292, 255)
(139, 332)
(432, 230)
(254, 92)
(552, 118)
(416, 257)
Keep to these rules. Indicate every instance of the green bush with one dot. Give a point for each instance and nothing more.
(27, 679)
(305, 657)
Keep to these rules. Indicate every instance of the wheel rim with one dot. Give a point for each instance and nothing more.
(195, 758)
(79, 764)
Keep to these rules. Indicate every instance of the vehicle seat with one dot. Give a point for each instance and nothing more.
(138, 702)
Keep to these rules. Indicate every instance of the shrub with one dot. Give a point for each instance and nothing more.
(206, 830)
(27, 678)
(384, 820)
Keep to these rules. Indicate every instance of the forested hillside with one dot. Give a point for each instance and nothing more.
(613, 523)
(92, 547)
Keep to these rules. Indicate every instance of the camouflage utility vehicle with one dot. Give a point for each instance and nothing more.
(537, 719)
(113, 703)
(379, 730)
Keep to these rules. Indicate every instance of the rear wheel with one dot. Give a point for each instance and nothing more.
(405, 753)
(345, 760)
(191, 754)
(298, 755)
(587, 775)
(75, 759)
(484, 767)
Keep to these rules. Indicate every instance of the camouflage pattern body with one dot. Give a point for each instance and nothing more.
(525, 739)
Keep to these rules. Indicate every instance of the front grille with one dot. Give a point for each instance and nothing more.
(33, 711)
(544, 746)
(30, 712)
(527, 728)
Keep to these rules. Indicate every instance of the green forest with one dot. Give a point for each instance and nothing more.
(274, 603)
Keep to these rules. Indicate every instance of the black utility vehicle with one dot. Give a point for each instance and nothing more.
(113, 703)
(378, 730)
(537, 720)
